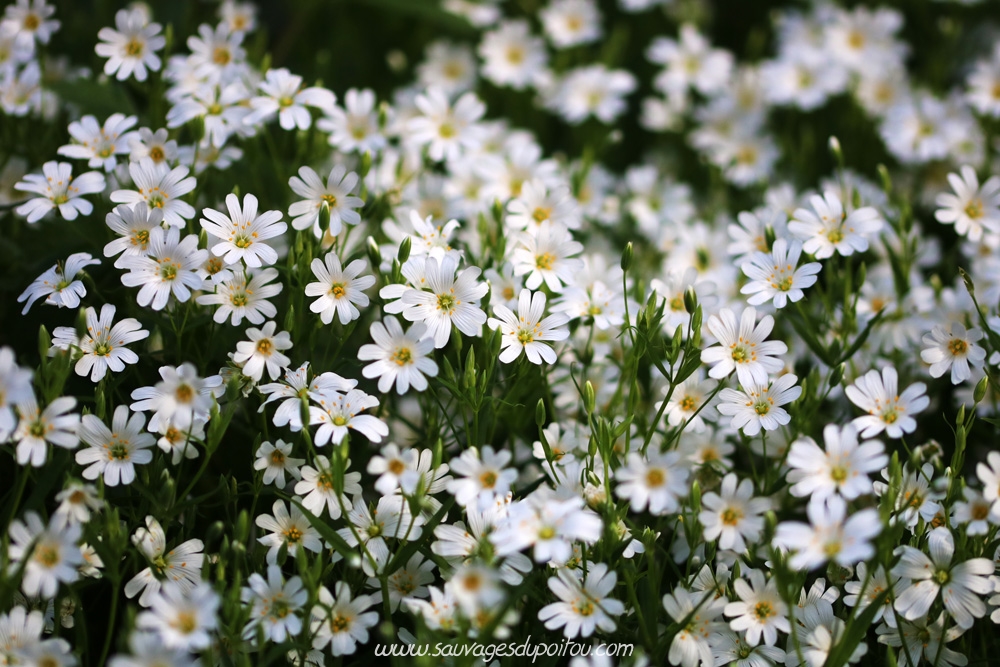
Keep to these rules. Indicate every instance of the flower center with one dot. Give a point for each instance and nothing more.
(832, 548)
(545, 261)
(785, 283)
(243, 242)
(446, 302)
(688, 404)
(293, 535)
(156, 154)
(186, 622)
(763, 610)
(329, 199)
(974, 209)
(585, 608)
(118, 452)
(525, 336)
(168, 271)
(339, 420)
(102, 350)
(942, 577)
(731, 516)
(488, 479)
(402, 356)
(838, 474)
(277, 458)
(37, 429)
(265, 346)
(133, 48)
(184, 393)
(762, 407)
(279, 608)
(60, 199)
(655, 477)
(339, 623)
(221, 55)
(239, 299)
(396, 467)
(835, 235)
(541, 214)
(446, 131)
(141, 238)
(957, 347)
(47, 555)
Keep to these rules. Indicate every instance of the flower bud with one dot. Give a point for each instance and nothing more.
(374, 254)
(690, 300)
(980, 391)
(540, 413)
(627, 257)
(589, 397)
(404, 251)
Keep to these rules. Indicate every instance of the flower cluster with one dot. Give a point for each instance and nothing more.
(322, 368)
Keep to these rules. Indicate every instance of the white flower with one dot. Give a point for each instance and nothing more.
(399, 357)
(59, 284)
(774, 276)
(888, 410)
(76, 502)
(288, 529)
(275, 605)
(216, 54)
(58, 189)
(734, 516)
(114, 452)
(925, 642)
(132, 225)
(593, 90)
(99, 145)
(391, 464)
(828, 227)
(275, 460)
(182, 619)
(15, 390)
(221, 108)
(341, 622)
(355, 128)
(319, 488)
(446, 130)
(690, 646)
(527, 330)
(571, 22)
(39, 427)
(340, 290)
(657, 480)
(537, 203)
(975, 511)
(482, 478)
(585, 605)
(690, 62)
(181, 397)
(49, 554)
(263, 351)
(132, 47)
(549, 525)
(828, 536)
(154, 145)
(180, 565)
(246, 295)
(451, 300)
(866, 589)
(973, 208)
(959, 584)
(842, 468)
(989, 475)
(743, 347)
(27, 21)
(169, 269)
(337, 195)
(756, 406)
(760, 611)
(953, 348)
(512, 56)
(243, 232)
(390, 520)
(148, 650)
(409, 581)
(339, 412)
(284, 95)
(103, 346)
(160, 188)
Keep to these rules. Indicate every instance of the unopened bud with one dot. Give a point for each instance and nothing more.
(980, 391)
(589, 397)
(374, 254)
(690, 300)
(627, 257)
(837, 376)
(404, 250)
(540, 413)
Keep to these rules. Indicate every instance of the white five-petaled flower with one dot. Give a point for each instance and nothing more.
(169, 269)
(584, 603)
(888, 410)
(483, 477)
(49, 553)
(275, 605)
(774, 276)
(755, 406)
(450, 300)
(842, 467)
(337, 195)
(58, 189)
(759, 611)
(399, 357)
(55, 424)
(743, 347)
(287, 529)
(180, 565)
(275, 460)
(59, 285)
(527, 331)
(180, 398)
(103, 345)
(246, 295)
(545, 255)
(100, 144)
(114, 452)
(182, 618)
(263, 351)
(829, 535)
(657, 480)
(284, 95)
(132, 224)
(339, 412)
(340, 290)
(733, 516)
(828, 228)
(131, 49)
(690, 646)
(341, 621)
(319, 489)
(160, 188)
(973, 208)
(446, 130)
(15, 390)
(953, 348)
(243, 232)
(959, 584)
